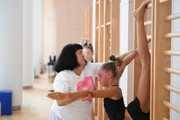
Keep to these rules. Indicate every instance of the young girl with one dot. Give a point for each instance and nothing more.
(88, 52)
(109, 74)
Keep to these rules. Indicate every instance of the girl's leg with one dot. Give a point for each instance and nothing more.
(143, 93)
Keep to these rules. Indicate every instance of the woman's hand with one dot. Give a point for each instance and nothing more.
(89, 98)
(58, 95)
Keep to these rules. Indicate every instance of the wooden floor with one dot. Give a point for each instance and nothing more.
(35, 104)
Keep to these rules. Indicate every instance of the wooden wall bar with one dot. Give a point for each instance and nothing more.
(161, 36)
(87, 25)
(158, 27)
(107, 37)
(160, 44)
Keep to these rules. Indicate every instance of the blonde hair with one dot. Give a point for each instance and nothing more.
(115, 65)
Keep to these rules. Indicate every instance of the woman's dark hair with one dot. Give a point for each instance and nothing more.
(67, 59)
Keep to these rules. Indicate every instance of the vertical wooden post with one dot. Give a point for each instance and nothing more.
(152, 58)
(100, 51)
(114, 38)
(90, 24)
(87, 25)
(160, 77)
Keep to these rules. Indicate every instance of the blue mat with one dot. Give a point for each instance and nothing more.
(6, 102)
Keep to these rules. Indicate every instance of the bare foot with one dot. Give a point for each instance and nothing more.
(141, 9)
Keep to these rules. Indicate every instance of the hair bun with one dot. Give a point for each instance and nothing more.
(112, 57)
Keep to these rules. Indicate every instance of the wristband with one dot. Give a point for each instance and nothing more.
(136, 53)
(90, 97)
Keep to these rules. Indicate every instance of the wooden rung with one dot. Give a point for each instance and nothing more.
(149, 36)
(108, 23)
(165, 118)
(171, 88)
(147, 23)
(171, 106)
(163, 1)
(102, 25)
(149, 5)
(170, 70)
(97, 2)
(172, 17)
(170, 52)
(150, 51)
(172, 35)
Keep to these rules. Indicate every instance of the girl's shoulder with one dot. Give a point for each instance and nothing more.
(117, 92)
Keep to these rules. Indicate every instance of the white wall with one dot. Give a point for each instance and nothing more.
(28, 68)
(11, 46)
(37, 35)
(175, 79)
(70, 21)
(126, 43)
(94, 26)
(49, 29)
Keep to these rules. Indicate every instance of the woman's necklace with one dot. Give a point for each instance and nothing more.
(77, 73)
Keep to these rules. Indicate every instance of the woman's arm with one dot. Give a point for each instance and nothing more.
(65, 101)
(112, 92)
(62, 84)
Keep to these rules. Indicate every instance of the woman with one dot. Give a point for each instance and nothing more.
(109, 75)
(74, 74)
